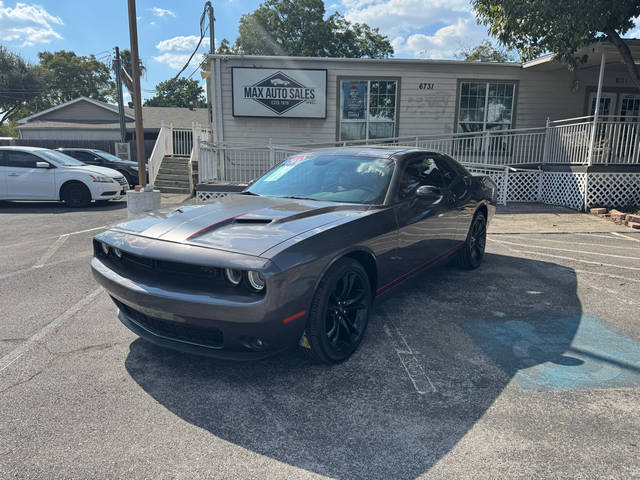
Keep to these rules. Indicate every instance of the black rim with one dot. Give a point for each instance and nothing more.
(477, 239)
(347, 311)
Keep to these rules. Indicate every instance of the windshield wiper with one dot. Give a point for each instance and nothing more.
(297, 198)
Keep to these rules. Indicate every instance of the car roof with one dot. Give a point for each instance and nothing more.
(23, 148)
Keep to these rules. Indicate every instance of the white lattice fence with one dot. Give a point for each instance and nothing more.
(499, 175)
(613, 189)
(208, 197)
(524, 186)
(564, 188)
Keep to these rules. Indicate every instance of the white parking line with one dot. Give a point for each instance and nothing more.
(421, 382)
(617, 234)
(565, 242)
(47, 330)
(601, 236)
(567, 250)
(51, 250)
(567, 258)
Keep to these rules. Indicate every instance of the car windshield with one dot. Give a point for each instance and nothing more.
(334, 178)
(108, 156)
(60, 158)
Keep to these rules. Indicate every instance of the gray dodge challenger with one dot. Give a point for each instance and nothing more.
(299, 257)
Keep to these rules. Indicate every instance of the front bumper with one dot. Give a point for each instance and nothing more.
(202, 323)
(108, 191)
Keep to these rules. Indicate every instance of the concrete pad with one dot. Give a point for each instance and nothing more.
(539, 218)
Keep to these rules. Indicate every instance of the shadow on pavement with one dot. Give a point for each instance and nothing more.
(366, 418)
(58, 207)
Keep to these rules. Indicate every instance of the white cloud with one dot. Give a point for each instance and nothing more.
(420, 28)
(395, 17)
(444, 43)
(635, 32)
(163, 12)
(28, 24)
(176, 51)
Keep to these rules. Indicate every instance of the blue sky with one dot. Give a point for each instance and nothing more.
(168, 30)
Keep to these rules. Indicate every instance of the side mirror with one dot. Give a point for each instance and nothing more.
(42, 165)
(428, 192)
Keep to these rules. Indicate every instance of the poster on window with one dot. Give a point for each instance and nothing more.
(354, 100)
(279, 92)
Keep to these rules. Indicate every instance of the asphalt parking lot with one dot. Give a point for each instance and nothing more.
(527, 367)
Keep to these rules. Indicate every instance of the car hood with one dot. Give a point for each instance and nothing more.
(242, 223)
(108, 172)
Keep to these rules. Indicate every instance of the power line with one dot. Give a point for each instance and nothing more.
(202, 33)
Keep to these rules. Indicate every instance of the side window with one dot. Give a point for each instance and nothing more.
(85, 157)
(448, 169)
(19, 159)
(417, 172)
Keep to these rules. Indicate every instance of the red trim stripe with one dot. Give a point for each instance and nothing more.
(231, 218)
(414, 271)
(294, 316)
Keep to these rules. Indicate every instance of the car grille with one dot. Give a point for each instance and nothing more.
(210, 337)
(122, 181)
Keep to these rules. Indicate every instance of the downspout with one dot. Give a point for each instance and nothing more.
(603, 59)
(220, 129)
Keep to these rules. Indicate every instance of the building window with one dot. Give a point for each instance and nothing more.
(630, 108)
(368, 109)
(485, 106)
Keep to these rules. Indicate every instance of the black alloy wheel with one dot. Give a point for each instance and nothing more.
(340, 312)
(472, 252)
(76, 195)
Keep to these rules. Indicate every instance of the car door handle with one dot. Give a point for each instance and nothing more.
(13, 175)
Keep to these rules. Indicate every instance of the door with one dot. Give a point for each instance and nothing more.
(457, 184)
(427, 225)
(25, 181)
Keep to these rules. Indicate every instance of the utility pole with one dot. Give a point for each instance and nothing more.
(208, 10)
(117, 66)
(137, 98)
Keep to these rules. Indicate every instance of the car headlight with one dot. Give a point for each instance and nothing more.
(256, 280)
(134, 168)
(234, 277)
(101, 179)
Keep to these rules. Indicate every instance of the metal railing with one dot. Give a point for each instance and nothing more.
(182, 141)
(616, 141)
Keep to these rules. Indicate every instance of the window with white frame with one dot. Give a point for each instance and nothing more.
(486, 105)
(630, 108)
(367, 109)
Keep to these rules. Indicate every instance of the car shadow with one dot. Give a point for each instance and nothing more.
(437, 354)
(57, 207)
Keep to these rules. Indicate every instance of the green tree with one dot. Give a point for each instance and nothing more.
(486, 52)
(225, 48)
(298, 28)
(20, 83)
(538, 26)
(68, 76)
(125, 58)
(177, 92)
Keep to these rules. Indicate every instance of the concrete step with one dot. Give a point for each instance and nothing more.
(171, 183)
(172, 177)
(173, 171)
(173, 189)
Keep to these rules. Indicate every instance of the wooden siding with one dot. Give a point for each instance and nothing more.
(422, 112)
(81, 112)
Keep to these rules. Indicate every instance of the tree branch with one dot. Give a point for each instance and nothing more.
(625, 52)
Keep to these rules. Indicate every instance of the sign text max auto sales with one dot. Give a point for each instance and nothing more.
(279, 93)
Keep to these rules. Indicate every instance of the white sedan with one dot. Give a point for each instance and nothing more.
(31, 173)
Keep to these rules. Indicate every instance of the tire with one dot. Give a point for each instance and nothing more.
(76, 195)
(339, 312)
(472, 252)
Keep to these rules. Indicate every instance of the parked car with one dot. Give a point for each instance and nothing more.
(297, 258)
(31, 173)
(92, 156)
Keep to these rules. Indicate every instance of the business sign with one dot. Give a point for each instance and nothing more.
(279, 92)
